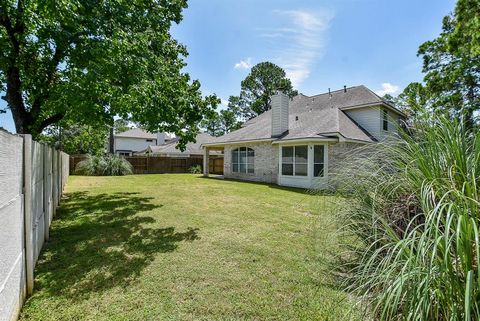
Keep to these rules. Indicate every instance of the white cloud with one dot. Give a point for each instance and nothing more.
(244, 64)
(388, 88)
(299, 42)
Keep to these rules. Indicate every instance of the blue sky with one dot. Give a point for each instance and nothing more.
(321, 44)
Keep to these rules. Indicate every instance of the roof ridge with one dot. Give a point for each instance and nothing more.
(373, 93)
(333, 91)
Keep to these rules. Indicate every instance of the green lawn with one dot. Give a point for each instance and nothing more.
(182, 247)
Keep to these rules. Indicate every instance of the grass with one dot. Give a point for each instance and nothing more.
(182, 247)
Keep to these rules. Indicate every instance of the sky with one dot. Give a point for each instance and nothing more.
(320, 44)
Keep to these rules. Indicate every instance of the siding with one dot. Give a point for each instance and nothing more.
(280, 103)
(371, 118)
(368, 118)
(132, 144)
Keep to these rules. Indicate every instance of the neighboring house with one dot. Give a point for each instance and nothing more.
(169, 149)
(301, 141)
(192, 155)
(136, 139)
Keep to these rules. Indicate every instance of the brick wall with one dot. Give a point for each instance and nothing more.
(265, 166)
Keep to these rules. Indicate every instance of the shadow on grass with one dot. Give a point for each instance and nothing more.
(275, 186)
(102, 241)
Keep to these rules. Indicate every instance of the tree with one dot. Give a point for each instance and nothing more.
(89, 61)
(221, 123)
(229, 121)
(451, 64)
(212, 125)
(75, 139)
(413, 100)
(120, 125)
(263, 81)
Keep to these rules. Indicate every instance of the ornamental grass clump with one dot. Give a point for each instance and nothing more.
(109, 165)
(413, 209)
(195, 169)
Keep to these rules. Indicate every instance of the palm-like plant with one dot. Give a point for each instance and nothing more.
(414, 207)
(110, 165)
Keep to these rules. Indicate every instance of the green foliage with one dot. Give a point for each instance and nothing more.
(261, 83)
(195, 169)
(451, 64)
(413, 205)
(88, 61)
(120, 125)
(76, 139)
(109, 165)
(221, 123)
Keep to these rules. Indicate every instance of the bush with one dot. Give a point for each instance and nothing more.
(109, 165)
(195, 169)
(414, 210)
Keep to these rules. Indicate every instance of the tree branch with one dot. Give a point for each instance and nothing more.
(43, 96)
(51, 120)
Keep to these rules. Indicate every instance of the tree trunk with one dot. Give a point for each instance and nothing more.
(14, 100)
(111, 141)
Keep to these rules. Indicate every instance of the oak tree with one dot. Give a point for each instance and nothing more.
(89, 61)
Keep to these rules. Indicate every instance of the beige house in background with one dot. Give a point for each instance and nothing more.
(135, 140)
(300, 141)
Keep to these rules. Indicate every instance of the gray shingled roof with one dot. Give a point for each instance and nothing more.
(319, 116)
(137, 133)
(191, 148)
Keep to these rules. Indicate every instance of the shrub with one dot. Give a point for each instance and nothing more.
(195, 169)
(109, 165)
(414, 210)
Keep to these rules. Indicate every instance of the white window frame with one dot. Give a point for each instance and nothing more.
(294, 163)
(310, 161)
(246, 160)
(383, 113)
(324, 160)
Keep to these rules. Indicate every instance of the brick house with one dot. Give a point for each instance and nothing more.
(299, 142)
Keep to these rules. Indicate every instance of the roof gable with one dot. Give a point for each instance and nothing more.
(312, 117)
(136, 133)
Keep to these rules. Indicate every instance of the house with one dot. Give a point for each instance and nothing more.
(169, 148)
(137, 139)
(301, 141)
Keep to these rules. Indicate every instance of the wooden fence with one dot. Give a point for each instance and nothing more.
(154, 164)
(32, 178)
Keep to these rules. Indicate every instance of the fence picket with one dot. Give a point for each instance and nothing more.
(33, 176)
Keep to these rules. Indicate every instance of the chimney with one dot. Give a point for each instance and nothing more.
(344, 88)
(280, 103)
(160, 139)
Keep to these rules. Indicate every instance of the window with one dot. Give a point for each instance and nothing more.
(149, 140)
(318, 160)
(243, 160)
(295, 160)
(385, 119)
(124, 153)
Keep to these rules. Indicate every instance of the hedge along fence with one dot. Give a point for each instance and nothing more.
(32, 178)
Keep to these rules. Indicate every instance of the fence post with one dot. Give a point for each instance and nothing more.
(27, 186)
(47, 189)
(60, 190)
(53, 181)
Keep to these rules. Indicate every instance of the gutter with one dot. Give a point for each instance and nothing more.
(305, 139)
(260, 140)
